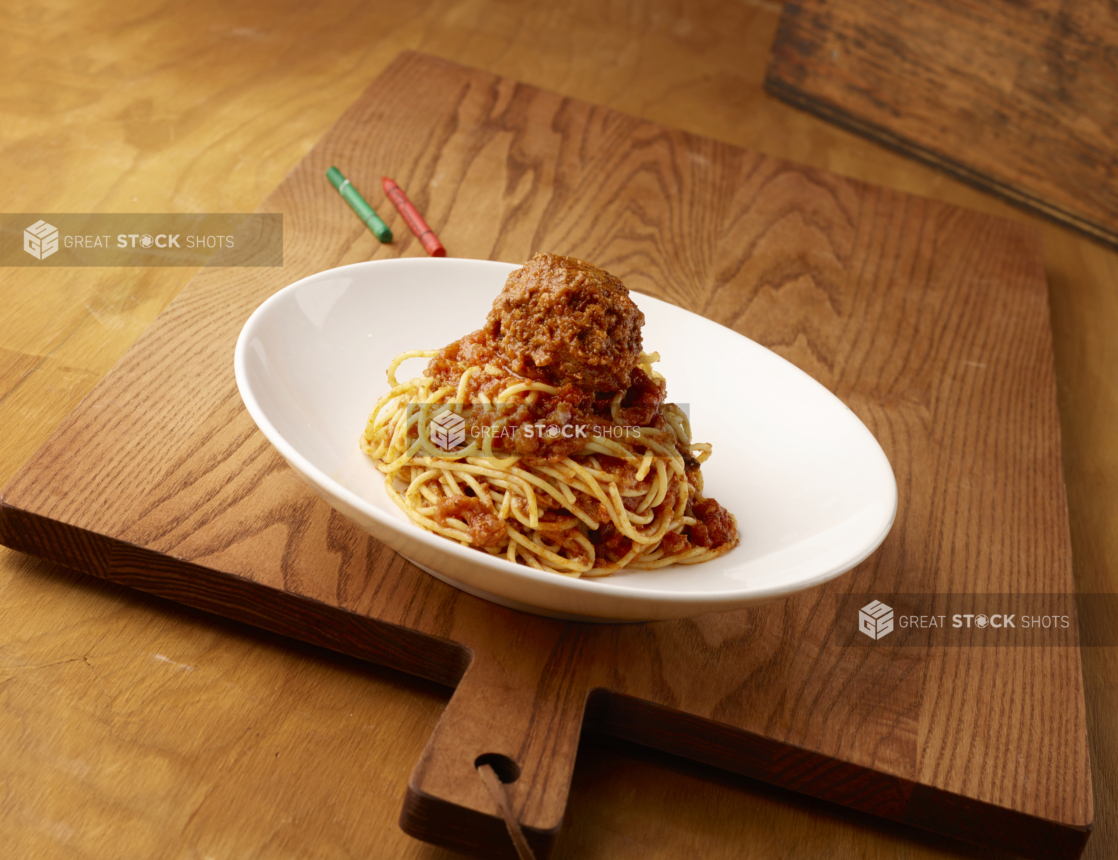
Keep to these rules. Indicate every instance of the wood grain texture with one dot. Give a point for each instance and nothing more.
(883, 297)
(1017, 98)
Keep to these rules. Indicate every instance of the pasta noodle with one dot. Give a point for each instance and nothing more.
(542, 472)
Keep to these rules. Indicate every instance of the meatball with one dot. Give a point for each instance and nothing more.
(561, 320)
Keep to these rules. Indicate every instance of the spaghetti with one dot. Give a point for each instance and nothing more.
(518, 459)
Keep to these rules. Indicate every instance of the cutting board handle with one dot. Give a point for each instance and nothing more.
(525, 722)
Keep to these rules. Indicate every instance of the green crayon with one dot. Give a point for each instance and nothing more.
(357, 203)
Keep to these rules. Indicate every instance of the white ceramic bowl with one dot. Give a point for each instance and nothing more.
(812, 490)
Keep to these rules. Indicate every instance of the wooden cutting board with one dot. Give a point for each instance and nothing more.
(930, 322)
(1020, 99)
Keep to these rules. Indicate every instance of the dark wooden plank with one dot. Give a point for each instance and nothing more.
(929, 321)
(1018, 98)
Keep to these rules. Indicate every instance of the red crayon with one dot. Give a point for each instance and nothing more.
(411, 215)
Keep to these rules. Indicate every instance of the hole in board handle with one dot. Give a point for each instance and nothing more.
(506, 769)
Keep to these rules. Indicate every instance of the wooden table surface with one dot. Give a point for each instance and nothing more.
(110, 699)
